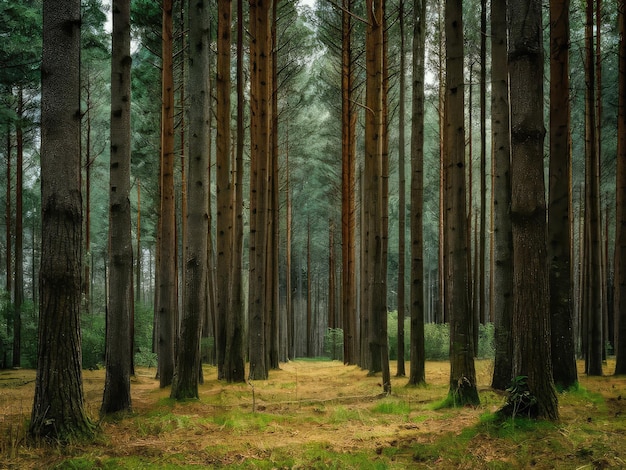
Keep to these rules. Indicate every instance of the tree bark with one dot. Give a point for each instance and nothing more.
(167, 290)
(502, 293)
(559, 224)
(531, 314)
(348, 208)
(374, 188)
(260, 109)
(592, 226)
(418, 361)
(120, 301)
(58, 409)
(188, 366)
(224, 197)
(400, 371)
(463, 389)
(18, 295)
(620, 237)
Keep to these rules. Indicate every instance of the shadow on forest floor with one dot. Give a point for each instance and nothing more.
(323, 415)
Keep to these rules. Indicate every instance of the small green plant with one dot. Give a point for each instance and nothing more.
(520, 400)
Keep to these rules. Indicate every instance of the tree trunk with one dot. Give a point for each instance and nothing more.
(559, 225)
(58, 409)
(620, 236)
(138, 259)
(188, 365)
(417, 365)
(348, 209)
(273, 317)
(481, 254)
(224, 197)
(592, 230)
(400, 371)
(235, 359)
(531, 326)
(120, 301)
(18, 296)
(502, 267)
(167, 291)
(260, 108)
(463, 388)
(374, 188)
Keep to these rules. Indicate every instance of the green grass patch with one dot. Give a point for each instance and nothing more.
(392, 407)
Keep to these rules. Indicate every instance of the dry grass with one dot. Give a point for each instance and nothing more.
(320, 415)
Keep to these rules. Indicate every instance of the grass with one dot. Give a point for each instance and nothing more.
(323, 415)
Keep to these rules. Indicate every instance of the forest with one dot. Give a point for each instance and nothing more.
(208, 197)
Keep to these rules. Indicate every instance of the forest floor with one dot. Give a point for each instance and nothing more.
(321, 414)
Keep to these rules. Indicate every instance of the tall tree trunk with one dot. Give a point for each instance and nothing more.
(374, 187)
(442, 318)
(167, 290)
(58, 408)
(235, 359)
(463, 388)
(400, 372)
(620, 236)
(87, 271)
(481, 254)
(559, 207)
(418, 360)
(273, 317)
(502, 265)
(309, 295)
(7, 218)
(188, 366)
(138, 258)
(120, 301)
(593, 228)
(332, 305)
(18, 296)
(348, 209)
(531, 326)
(260, 109)
(224, 198)
(289, 294)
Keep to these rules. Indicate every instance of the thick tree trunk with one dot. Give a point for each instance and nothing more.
(58, 408)
(559, 225)
(463, 388)
(260, 109)
(187, 374)
(531, 326)
(418, 361)
(120, 302)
